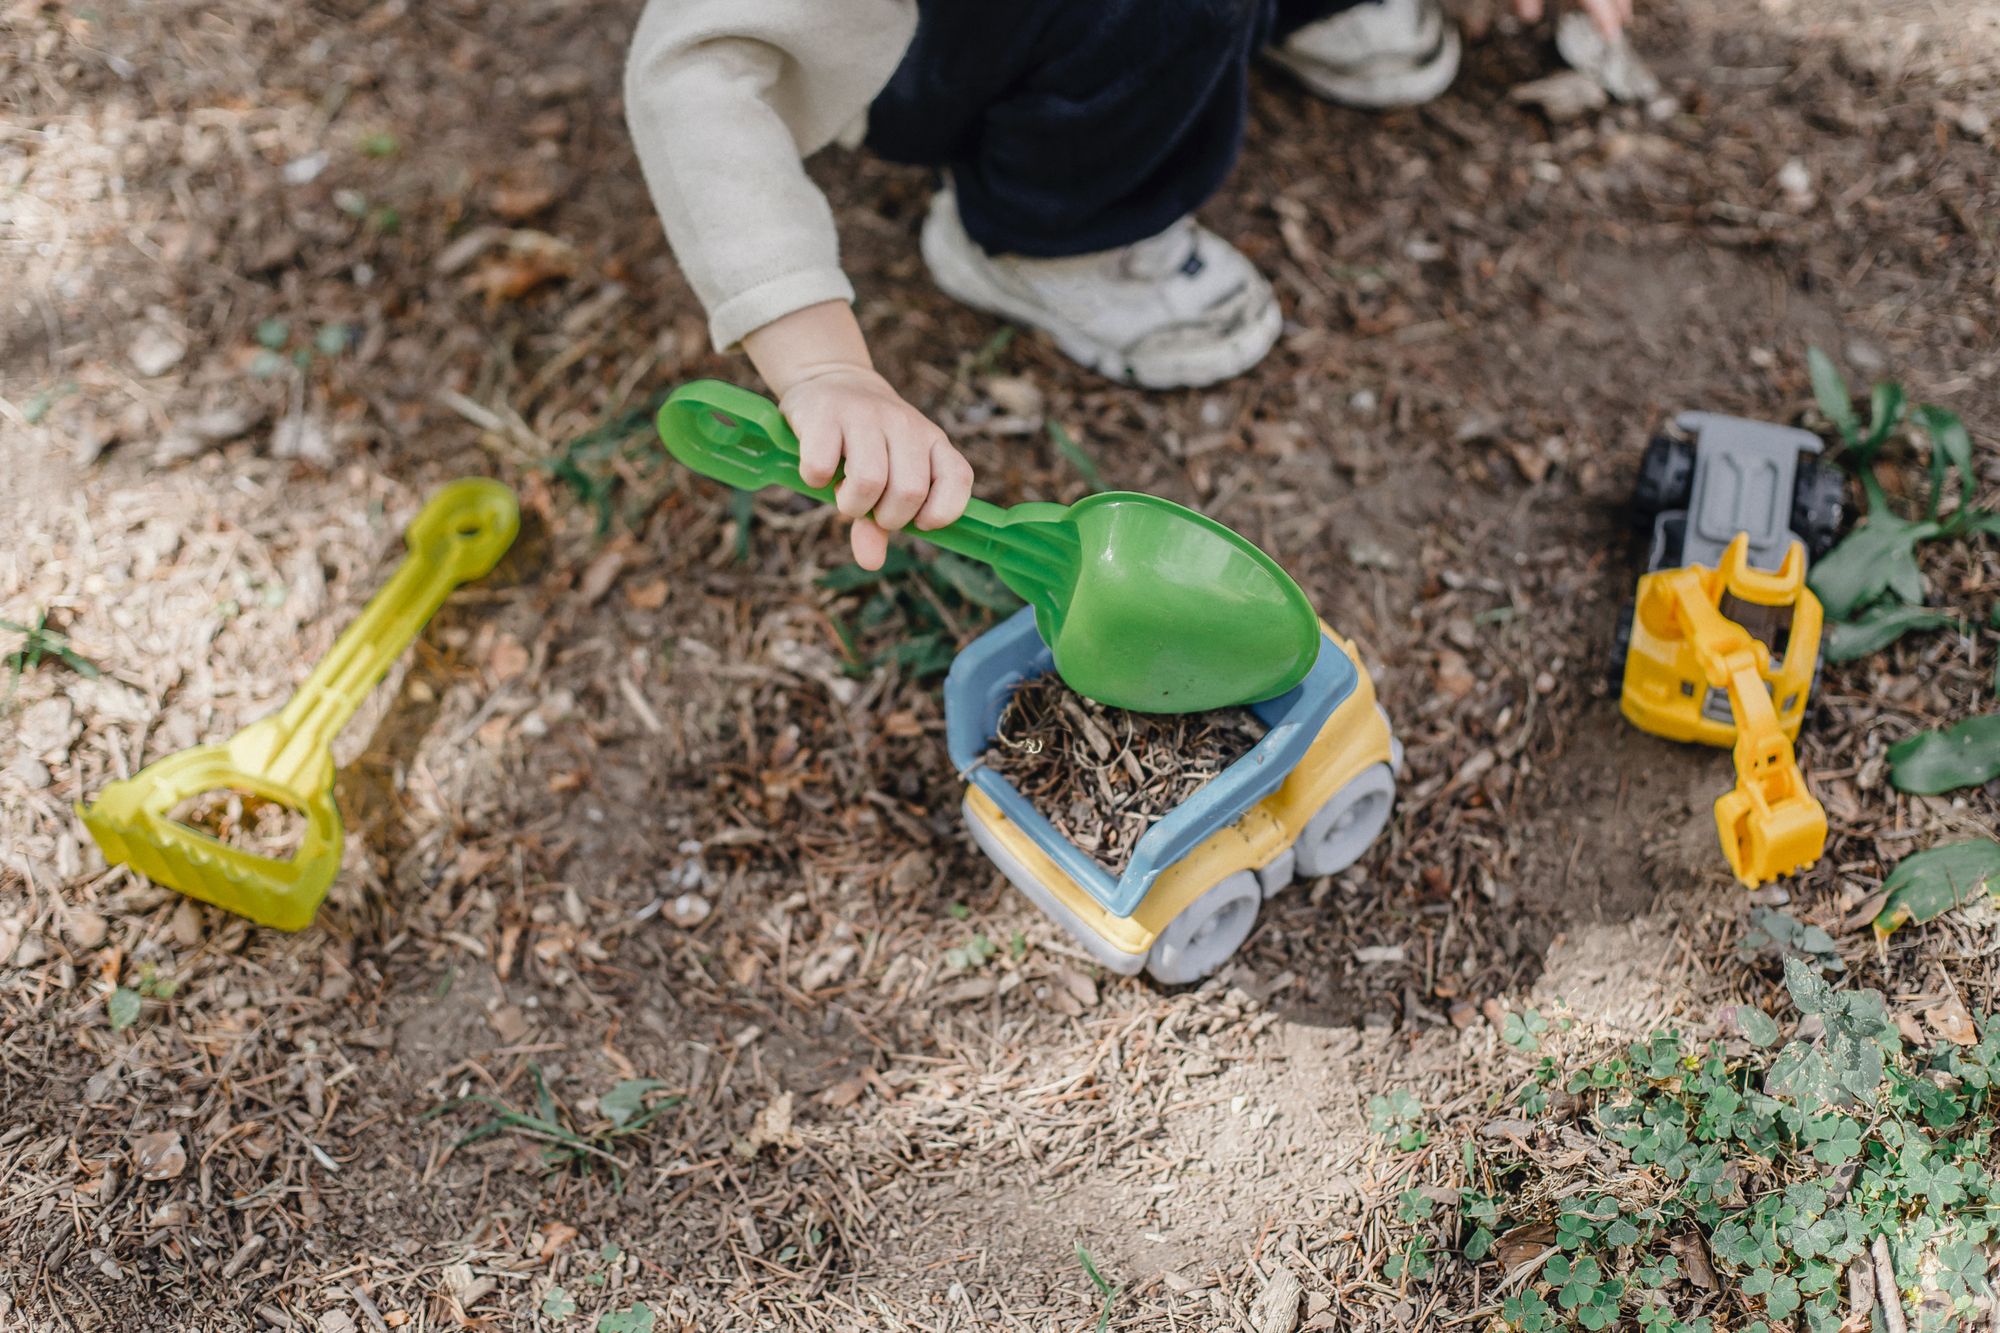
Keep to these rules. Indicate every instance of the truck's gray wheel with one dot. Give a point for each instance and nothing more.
(1342, 829)
(1207, 931)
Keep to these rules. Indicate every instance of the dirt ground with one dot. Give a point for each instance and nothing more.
(651, 802)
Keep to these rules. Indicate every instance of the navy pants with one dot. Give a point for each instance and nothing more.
(1071, 126)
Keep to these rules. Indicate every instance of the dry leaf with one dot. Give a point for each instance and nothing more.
(555, 1235)
(530, 259)
(1693, 1255)
(648, 596)
(520, 198)
(1950, 1021)
(771, 1129)
(1523, 1246)
(159, 1156)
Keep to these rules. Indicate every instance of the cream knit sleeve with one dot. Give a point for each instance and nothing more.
(726, 98)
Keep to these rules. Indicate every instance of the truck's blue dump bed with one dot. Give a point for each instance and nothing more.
(976, 692)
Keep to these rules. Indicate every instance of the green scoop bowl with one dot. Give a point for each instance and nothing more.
(1146, 604)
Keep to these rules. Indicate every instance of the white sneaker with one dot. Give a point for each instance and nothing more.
(1177, 310)
(1379, 54)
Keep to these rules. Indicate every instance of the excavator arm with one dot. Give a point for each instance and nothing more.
(1770, 824)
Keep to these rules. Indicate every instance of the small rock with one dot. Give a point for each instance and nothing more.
(47, 728)
(305, 438)
(1972, 121)
(1379, 953)
(1562, 97)
(159, 1156)
(86, 929)
(689, 910)
(1014, 395)
(29, 771)
(1795, 179)
(1364, 402)
(1462, 1014)
(221, 424)
(186, 924)
(1866, 357)
(304, 170)
(509, 1024)
(156, 350)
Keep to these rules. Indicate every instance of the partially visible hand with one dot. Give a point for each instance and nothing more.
(898, 466)
(1610, 16)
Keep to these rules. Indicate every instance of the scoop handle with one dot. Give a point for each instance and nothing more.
(459, 534)
(741, 439)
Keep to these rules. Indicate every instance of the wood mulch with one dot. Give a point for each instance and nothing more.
(1104, 775)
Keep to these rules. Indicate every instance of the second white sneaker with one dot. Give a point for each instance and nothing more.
(1181, 309)
(1379, 54)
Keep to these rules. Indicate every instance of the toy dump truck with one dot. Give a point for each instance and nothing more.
(1307, 800)
(1721, 645)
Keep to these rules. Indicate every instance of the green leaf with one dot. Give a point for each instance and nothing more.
(332, 339)
(633, 1319)
(124, 1006)
(379, 143)
(1757, 1026)
(975, 582)
(743, 511)
(1926, 886)
(558, 1304)
(1930, 762)
(1830, 392)
(1877, 557)
(273, 333)
(1885, 412)
(1109, 1292)
(1809, 990)
(1878, 627)
(1090, 1267)
(1067, 446)
(1951, 447)
(851, 576)
(626, 1099)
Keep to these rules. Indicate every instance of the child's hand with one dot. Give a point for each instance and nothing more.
(1610, 16)
(899, 466)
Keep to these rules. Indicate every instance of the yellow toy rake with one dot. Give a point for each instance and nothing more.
(287, 758)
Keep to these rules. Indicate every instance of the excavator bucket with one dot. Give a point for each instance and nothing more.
(1766, 843)
(1770, 824)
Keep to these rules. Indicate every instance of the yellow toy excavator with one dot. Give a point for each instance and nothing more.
(1770, 824)
(1722, 644)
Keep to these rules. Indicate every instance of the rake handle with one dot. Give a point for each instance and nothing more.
(460, 534)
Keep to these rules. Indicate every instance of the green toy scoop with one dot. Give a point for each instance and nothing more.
(1146, 604)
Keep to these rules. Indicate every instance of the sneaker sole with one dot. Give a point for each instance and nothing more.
(1239, 351)
(1376, 90)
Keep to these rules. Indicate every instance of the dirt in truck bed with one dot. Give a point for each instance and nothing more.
(1103, 775)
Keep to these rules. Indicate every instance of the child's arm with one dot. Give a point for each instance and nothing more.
(897, 464)
(725, 98)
